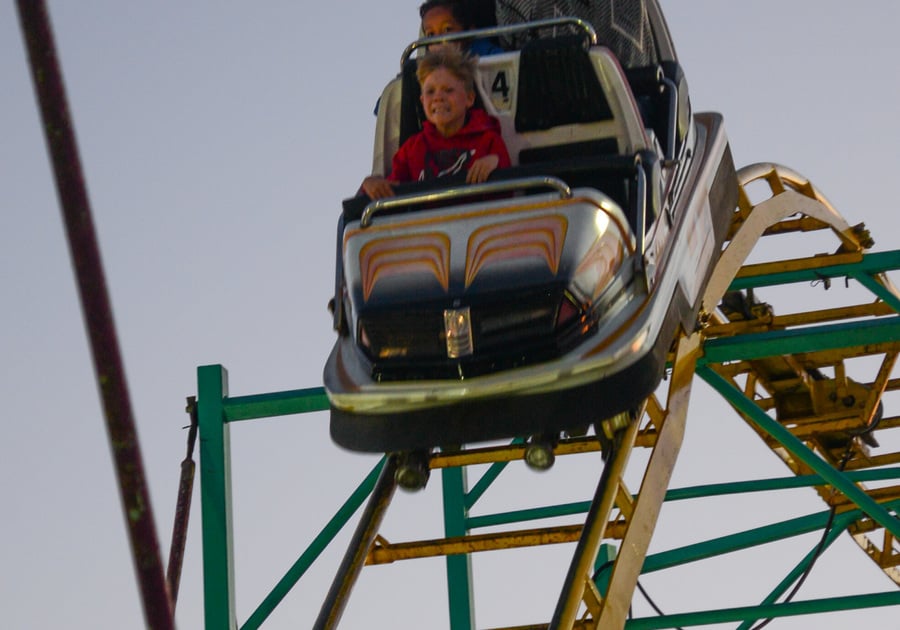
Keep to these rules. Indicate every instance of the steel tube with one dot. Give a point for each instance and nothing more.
(97, 311)
(362, 540)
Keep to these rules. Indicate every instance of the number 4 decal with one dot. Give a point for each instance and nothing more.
(501, 84)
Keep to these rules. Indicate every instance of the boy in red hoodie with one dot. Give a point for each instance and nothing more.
(455, 137)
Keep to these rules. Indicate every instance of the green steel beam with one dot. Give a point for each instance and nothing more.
(880, 290)
(605, 558)
(275, 404)
(743, 540)
(314, 550)
(488, 478)
(215, 498)
(363, 538)
(681, 494)
(796, 341)
(778, 483)
(531, 514)
(459, 566)
(484, 482)
(799, 450)
(837, 528)
(725, 615)
(870, 264)
(749, 538)
(736, 542)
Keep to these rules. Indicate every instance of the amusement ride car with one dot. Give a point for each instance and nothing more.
(545, 300)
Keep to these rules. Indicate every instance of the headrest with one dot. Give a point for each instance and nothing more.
(558, 85)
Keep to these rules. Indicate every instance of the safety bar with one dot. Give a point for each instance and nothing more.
(469, 190)
(495, 31)
(671, 132)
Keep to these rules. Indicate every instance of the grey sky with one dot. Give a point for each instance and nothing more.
(217, 141)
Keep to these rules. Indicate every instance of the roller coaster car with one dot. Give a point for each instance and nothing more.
(546, 299)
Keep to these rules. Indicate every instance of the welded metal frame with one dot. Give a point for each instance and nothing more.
(218, 541)
(216, 410)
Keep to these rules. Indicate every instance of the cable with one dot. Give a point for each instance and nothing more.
(652, 603)
(819, 548)
(603, 567)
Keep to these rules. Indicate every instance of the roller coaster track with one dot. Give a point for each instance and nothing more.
(813, 384)
(778, 362)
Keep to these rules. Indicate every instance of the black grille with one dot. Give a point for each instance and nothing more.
(404, 335)
(508, 329)
(497, 325)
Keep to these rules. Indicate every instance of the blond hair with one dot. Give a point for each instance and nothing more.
(459, 64)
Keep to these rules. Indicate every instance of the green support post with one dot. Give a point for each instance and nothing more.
(215, 495)
(459, 566)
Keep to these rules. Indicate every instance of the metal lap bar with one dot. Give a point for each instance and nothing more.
(672, 89)
(495, 31)
(461, 192)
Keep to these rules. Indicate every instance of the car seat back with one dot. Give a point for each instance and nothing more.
(553, 99)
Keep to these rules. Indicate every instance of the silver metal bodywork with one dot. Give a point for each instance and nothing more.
(679, 247)
(630, 247)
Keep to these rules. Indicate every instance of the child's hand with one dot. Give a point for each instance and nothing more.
(377, 187)
(481, 169)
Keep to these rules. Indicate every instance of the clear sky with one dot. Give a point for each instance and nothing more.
(218, 139)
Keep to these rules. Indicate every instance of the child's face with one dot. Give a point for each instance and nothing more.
(446, 100)
(440, 21)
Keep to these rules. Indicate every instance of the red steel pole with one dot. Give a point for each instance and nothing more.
(97, 312)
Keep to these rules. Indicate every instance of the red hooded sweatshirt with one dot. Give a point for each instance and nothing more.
(428, 154)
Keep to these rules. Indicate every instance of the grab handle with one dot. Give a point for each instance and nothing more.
(460, 192)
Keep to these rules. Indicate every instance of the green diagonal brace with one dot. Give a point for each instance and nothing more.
(736, 542)
(808, 607)
(314, 550)
(879, 290)
(837, 528)
(799, 450)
